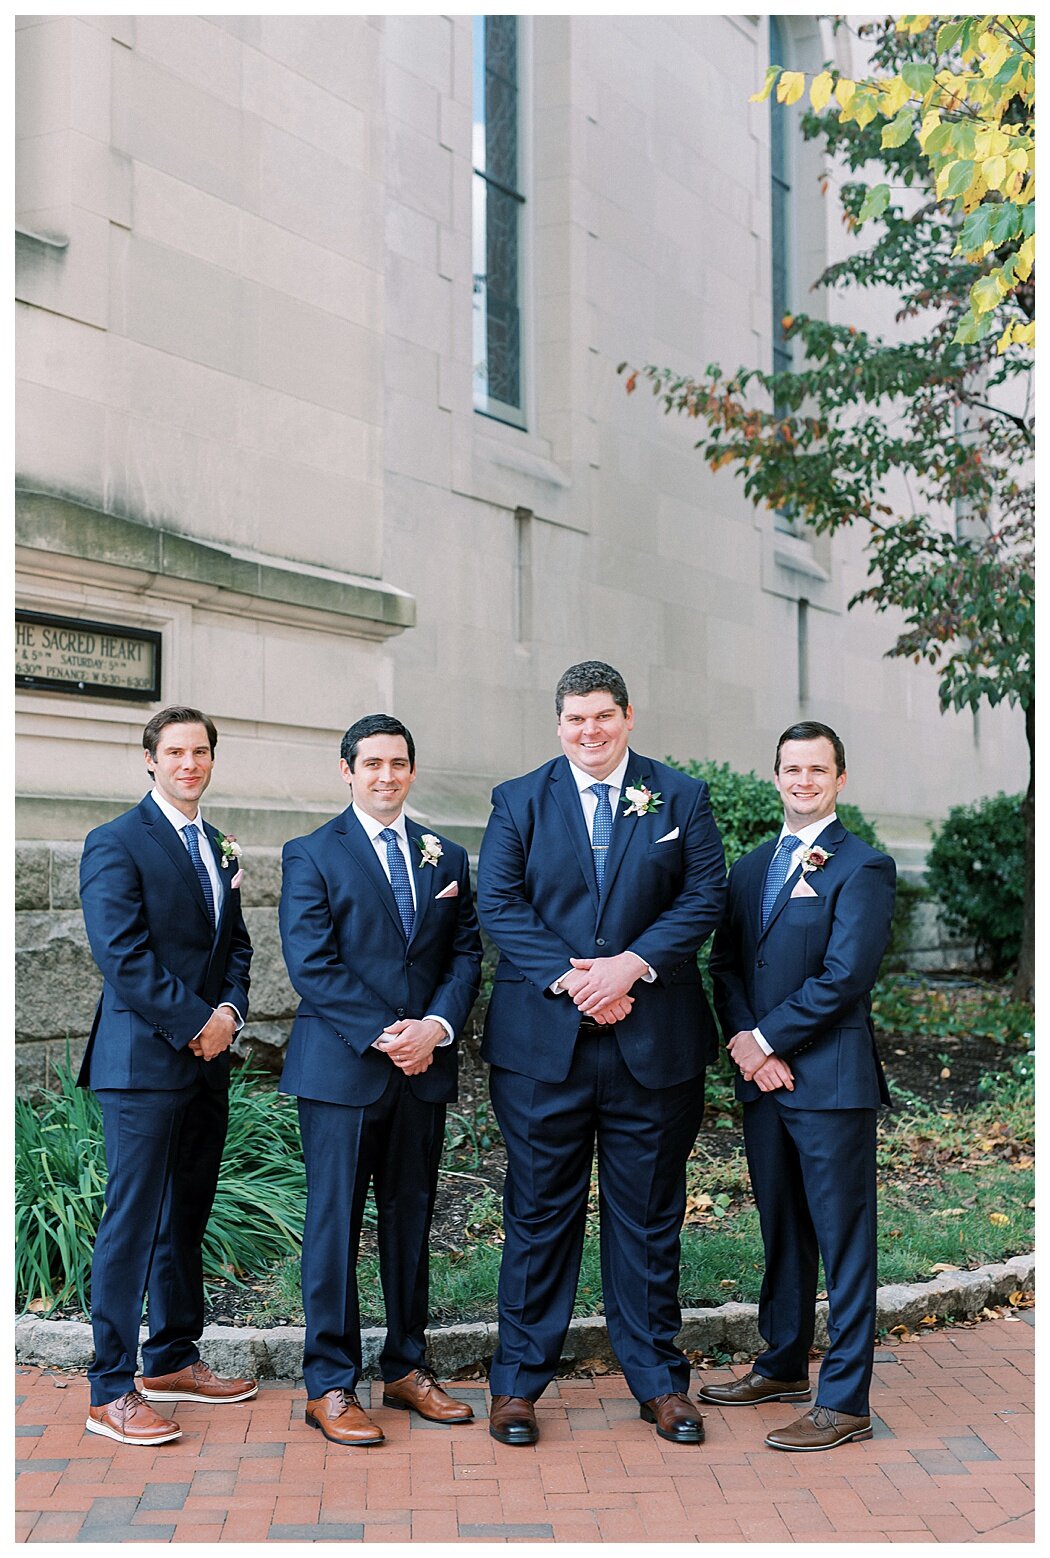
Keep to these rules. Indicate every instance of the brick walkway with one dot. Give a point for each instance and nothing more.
(951, 1461)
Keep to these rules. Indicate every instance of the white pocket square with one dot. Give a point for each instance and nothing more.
(451, 891)
(802, 889)
(669, 836)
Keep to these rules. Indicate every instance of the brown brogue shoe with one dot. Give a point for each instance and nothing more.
(752, 1389)
(820, 1429)
(131, 1420)
(196, 1382)
(676, 1417)
(512, 1420)
(342, 1419)
(420, 1392)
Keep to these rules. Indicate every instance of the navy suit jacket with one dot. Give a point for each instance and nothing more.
(353, 970)
(539, 902)
(165, 966)
(805, 981)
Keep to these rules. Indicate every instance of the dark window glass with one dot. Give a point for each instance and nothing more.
(498, 200)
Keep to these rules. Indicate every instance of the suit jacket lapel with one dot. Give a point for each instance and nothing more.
(832, 834)
(563, 788)
(423, 876)
(354, 838)
(162, 831)
(224, 874)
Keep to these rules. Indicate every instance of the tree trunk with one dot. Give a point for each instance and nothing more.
(1024, 979)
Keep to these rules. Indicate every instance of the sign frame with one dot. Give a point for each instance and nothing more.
(26, 682)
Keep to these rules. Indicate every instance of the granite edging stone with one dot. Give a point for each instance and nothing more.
(276, 1352)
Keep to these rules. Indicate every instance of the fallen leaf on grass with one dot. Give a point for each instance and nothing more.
(1000, 1219)
(944, 1265)
(945, 1073)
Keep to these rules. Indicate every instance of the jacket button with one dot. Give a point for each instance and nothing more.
(600, 941)
(401, 1011)
(761, 963)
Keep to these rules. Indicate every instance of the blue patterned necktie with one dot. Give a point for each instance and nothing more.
(778, 873)
(601, 831)
(189, 833)
(399, 880)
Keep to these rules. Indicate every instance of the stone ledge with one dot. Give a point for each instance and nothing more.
(277, 1353)
(46, 523)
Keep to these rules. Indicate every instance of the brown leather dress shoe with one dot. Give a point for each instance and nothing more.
(676, 1417)
(196, 1382)
(820, 1429)
(342, 1419)
(131, 1420)
(512, 1420)
(420, 1392)
(747, 1392)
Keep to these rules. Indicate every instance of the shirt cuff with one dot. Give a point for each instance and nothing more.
(230, 1008)
(556, 987)
(449, 1035)
(760, 1041)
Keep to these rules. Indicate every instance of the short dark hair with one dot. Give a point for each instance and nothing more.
(590, 676)
(374, 725)
(812, 730)
(176, 716)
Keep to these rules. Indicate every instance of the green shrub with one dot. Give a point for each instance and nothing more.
(60, 1183)
(975, 870)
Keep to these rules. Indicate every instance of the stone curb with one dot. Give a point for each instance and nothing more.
(277, 1352)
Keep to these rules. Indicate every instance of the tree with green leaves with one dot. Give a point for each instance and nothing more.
(948, 404)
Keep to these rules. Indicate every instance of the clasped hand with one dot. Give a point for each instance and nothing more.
(768, 1072)
(217, 1034)
(411, 1043)
(600, 987)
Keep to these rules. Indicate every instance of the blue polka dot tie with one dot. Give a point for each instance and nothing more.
(189, 834)
(601, 831)
(399, 880)
(778, 873)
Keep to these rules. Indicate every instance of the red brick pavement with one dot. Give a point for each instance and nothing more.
(951, 1461)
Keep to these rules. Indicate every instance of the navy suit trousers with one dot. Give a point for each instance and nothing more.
(813, 1175)
(644, 1136)
(396, 1143)
(163, 1150)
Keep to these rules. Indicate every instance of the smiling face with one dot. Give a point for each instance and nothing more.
(182, 768)
(381, 777)
(593, 730)
(808, 781)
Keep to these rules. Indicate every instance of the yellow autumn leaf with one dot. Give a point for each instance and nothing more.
(893, 97)
(930, 122)
(994, 171)
(844, 91)
(820, 91)
(1025, 258)
(1000, 1219)
(772, 72)
(1005, 340)
(1018, 160)
(790, 87)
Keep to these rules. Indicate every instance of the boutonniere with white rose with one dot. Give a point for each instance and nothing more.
(229, 849)
(430, 850)
(640, 799)
(814, 858)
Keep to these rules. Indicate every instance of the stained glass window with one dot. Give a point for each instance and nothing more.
(498, 202)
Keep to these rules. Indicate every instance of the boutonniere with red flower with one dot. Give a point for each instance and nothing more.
(814, 859)
(640, 800)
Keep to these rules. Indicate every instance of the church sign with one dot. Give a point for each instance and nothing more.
(87, 659)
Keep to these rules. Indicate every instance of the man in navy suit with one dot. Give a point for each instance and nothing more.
(601, 874)
(382, 946)
(793, 966)
(163, 914)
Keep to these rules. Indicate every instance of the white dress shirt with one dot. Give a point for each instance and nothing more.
(806, 836)
(374, 828)
(180, 822)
